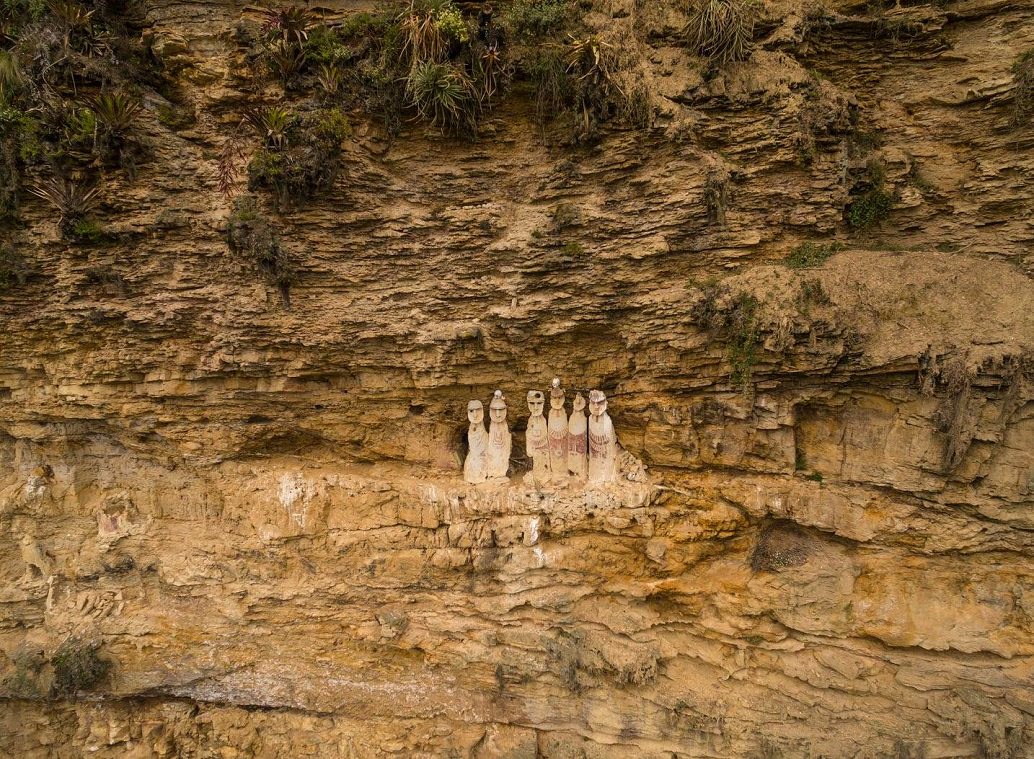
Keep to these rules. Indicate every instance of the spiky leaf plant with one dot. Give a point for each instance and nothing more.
(443, 95)
(72, 200)
(330, 77)
(75, 21)
(589, 59)
(286, 60)
(288, 24)
(271, 124)
(489, 71)
(115, 112)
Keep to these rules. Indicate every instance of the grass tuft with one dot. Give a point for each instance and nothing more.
(721, 30)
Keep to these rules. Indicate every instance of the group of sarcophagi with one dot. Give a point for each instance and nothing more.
(559, 447)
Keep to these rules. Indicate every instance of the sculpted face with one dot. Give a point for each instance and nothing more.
(536, 402)
(475, 412)
(556, 399)
(597, 403)
(579, 402)
(497, 408)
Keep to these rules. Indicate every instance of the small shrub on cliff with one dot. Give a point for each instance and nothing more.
(250, 235)
(874, 203)
(323, 46)
(300, 158)
(19, 144)
(811, 254)
(23, 682)
(88, 231)
(554, 88)
(812, 293)
(744, 337)
(721, 30)
(1023, 79)
(77, 667)
(738, 321)
(870, 208)
(531, 19)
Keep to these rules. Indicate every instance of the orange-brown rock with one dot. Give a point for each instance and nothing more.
(259, 513)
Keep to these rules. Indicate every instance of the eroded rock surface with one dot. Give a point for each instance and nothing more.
(260, 513)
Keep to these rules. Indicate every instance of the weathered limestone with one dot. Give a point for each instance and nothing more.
(499, 438)
(805, 582)
(37, 564)
(475, 467)
(602, 441)
(577, 440)
(557, 426)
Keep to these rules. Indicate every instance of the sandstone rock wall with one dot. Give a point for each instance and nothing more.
(258, 510)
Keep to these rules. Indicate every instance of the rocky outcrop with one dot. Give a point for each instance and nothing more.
(258, 511)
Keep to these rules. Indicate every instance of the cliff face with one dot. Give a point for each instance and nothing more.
(257, 510)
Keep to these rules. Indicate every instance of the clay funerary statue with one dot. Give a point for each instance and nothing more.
(499, 439)
(559, 448)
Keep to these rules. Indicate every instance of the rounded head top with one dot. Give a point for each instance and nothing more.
(498, 400)
(597, 396)
(579, 402)
(556, 392)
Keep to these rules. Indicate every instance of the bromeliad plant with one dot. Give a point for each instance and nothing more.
(115, 112)
(286, 60)
(590, 60)
(444, 95)
(289, 24)
(271, 124)
(73, 201)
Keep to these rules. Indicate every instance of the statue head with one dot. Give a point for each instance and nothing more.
(497, 407)
(579, 402)
(475, 412)
(597, 403)
(556, 395)
(536, 401)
